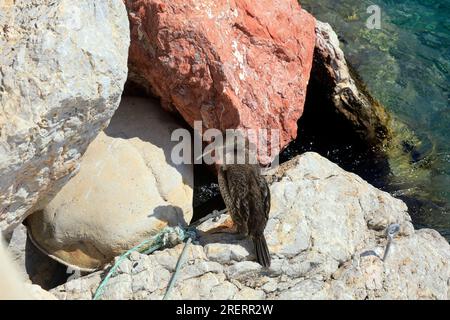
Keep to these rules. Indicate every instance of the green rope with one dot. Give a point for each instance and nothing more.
(159, 241)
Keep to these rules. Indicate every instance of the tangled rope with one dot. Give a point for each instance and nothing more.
(166, 238)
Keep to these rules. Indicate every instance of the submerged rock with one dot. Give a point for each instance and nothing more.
(229, 64)
(127, 190)
(326, 233)
(63, 67)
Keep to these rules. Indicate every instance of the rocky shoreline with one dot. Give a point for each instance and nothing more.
(323, 223)
(89, 169)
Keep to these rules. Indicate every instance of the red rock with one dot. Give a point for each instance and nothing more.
(231, 64)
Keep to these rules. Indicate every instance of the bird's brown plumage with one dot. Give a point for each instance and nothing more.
(247, 197)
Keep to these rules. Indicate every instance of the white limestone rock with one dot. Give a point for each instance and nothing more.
(63, 65)
(323, 222)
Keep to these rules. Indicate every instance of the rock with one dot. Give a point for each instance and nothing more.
(63, 67)
(323, 222)
(37, 293)
(13, 284)
(127, 190)
(345, 91)
(17, 247)
(417, 268)
(34, 265)
(230, 64)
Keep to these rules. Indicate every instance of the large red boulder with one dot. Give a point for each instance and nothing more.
(230, 63)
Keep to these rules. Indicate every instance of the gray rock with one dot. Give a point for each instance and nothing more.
(17, 247)
(341, 216)
(63, 68)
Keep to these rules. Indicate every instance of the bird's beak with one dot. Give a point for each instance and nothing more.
(210, 151)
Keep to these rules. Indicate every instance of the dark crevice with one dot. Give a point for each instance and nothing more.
(323, 130)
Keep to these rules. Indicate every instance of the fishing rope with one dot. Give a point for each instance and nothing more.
(168, 237)
(171, 236)
(391, 232)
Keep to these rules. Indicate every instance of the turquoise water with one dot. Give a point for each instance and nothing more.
(405, 65)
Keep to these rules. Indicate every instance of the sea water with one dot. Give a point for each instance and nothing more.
(405, 64)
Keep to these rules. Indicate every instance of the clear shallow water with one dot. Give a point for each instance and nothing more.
(406, 66)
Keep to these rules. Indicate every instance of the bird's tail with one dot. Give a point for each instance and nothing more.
(262, 251)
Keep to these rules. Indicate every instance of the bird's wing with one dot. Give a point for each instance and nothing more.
(225, 190)
(238, 191)
(265, 194)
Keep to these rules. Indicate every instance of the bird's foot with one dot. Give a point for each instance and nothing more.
(227, 226)
(215, 215)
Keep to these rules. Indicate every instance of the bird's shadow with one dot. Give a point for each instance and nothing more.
(169, 214)
(225, 238)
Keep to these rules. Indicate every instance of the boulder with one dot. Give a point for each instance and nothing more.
(326, 234)
(63, 68)
(344, 92)
(230, 64)
(127, 190)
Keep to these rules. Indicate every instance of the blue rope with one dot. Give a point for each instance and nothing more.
(180, 263)
(161, 240)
